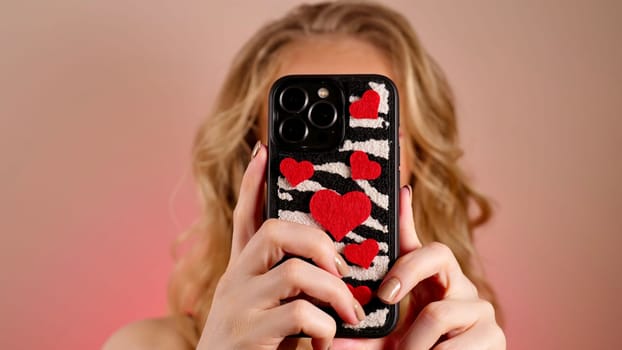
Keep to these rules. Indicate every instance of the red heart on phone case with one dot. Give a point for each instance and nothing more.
(361, 293)
(367, 106)
(362, 254)
(296, 172)
(339, 214)
(363, 168)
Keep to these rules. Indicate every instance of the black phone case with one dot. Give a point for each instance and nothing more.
(351, 192)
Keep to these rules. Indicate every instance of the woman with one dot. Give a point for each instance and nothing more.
(224, 294)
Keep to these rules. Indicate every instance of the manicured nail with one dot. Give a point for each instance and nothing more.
(389, 289)
(256, 149)
(409, 189)
(342, 266)
(358, 310)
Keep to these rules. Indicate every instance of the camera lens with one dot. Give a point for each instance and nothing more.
(323, 114)
(293, 99)
(293, 130)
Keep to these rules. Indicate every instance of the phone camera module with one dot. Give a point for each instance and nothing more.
(293, 130)
(323, 114)
(293, 99)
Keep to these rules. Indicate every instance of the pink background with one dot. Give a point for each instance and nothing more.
(100, 100)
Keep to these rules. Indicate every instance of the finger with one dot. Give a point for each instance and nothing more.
(275, 238)
(430, 260)
(442, 317)
(298, 316)
(296, 276)
(409, 240)
(480, 336)
(320, 344)
(248, 206)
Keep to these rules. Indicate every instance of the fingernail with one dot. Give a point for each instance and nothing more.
(389, 289)
(342, 266)
(256, 149)
(358, 310)
(410, 190)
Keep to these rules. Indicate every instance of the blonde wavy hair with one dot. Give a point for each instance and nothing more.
(442, 196)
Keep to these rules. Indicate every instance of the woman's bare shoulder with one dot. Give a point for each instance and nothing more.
(156, 333)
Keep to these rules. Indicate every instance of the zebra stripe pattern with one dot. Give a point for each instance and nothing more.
(333, 172)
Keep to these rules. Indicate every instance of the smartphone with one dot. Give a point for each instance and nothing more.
(334, 164)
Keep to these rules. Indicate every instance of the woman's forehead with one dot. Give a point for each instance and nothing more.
(333, 55)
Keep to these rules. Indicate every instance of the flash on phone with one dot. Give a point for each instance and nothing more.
(322, 92)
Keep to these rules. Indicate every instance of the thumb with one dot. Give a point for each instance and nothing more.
(409, 240)
(247, 214)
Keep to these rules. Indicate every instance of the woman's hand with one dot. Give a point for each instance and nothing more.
(247, 310)
(445, 311)
(444, 303)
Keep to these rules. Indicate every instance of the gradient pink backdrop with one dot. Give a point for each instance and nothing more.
(100, 100)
